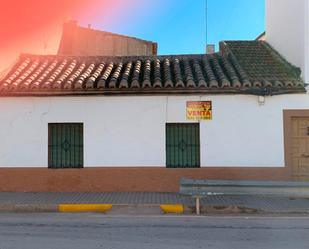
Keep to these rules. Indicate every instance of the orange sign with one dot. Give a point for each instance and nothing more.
(199, 110)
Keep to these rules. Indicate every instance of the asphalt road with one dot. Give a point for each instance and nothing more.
(87, 231)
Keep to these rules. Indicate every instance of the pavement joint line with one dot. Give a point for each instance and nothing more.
(214, 216)
(136, 205)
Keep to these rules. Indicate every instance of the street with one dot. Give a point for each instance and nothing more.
(55, 231)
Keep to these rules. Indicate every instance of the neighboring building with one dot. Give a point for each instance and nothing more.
(287, 29)
(140, 123)
(79, 41)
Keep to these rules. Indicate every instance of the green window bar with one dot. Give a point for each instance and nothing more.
(65, 145)
(182, 145)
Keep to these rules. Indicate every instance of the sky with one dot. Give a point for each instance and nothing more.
(178, 26)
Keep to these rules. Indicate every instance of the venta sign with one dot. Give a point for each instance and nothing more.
(199, 110)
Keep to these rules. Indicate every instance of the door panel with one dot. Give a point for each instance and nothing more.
(300, 148)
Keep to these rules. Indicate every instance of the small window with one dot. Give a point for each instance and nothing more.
(65, 145)
(182, 145)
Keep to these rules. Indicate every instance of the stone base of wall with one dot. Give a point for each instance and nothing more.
(121, 179)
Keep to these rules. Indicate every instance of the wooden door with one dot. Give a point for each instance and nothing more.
(300, 148)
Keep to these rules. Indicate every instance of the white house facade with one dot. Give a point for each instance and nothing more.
(123, 123)
(140, 123)
(129, 131)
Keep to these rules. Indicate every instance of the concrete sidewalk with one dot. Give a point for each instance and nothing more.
(140, 201)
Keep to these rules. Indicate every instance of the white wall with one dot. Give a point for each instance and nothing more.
(130, 131)
(287, 30)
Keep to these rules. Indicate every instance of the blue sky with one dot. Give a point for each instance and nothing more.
(179, 25)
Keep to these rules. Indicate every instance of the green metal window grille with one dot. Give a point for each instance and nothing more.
(65, 145)
(182, 145)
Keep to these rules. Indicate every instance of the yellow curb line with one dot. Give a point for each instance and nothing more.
(76, 208)
(175, 208)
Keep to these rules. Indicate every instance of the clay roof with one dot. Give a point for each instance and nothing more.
(244, 67)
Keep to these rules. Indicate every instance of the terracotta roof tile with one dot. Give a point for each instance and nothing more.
(249, 67)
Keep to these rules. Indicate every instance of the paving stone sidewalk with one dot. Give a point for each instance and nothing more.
(266, 204)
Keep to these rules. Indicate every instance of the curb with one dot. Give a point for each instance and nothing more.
(136, 209)
(80, 208)
(28, 208)
(173, 209)
(86, 207)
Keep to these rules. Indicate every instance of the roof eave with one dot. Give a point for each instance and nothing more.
(142, 92)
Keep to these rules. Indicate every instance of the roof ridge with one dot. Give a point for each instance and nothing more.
(116, 34)
(296, 71)
(225, 49)
(135, 57)
(238, 47)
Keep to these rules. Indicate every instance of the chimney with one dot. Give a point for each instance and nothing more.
(287, 30)
(210, 49)
(71, 23)
(68, 37)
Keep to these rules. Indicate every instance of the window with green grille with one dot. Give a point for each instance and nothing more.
(65, 145)
(182, 145)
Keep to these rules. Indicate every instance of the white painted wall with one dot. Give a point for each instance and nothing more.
(287, 30)
(130, 131)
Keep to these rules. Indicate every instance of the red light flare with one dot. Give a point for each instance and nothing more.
(20, 18)
(26, 25)
(34, 26)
